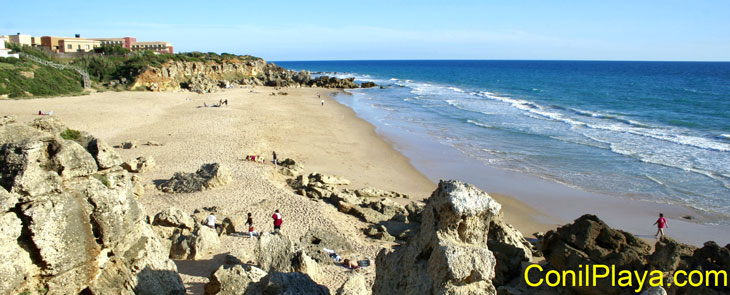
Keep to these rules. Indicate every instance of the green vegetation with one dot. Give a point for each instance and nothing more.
(23, 77)
(70, 134)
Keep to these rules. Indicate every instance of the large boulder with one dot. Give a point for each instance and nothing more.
(274, 252)
(449, 255)
(173, 217)
(207, 177)
(140, 164)
(355, 285)
(71, 225)
(233, 280)
(291, 283)
(589, 241)
(316, 239)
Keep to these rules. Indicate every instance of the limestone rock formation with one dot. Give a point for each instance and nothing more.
(290, 283)
(70, 224)
(140, 164)
(202, 241)
(275, 252)
(449, 255)
(313, 242)
(207, 177)
(233, 280)
(173, 217)
(355, 285)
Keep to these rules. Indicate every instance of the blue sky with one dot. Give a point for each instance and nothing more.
(337, 30)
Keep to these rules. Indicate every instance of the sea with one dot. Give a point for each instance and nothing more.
(651, 131)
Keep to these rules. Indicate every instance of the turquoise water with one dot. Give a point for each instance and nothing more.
(657, 131)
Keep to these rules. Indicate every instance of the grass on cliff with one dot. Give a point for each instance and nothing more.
(70, 134)
(24, 78)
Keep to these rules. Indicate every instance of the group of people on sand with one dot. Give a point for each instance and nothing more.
(42, 113)
(278, 220)
(256, 158)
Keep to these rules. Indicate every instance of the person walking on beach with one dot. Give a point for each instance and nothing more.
(323, 102)
(277, 221)
(661, 224)
(274, 155)
(210, 220)
(251, 231)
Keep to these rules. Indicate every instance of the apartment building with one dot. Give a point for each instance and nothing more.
(156, 46)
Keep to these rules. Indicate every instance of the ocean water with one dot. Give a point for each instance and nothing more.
(657, 131)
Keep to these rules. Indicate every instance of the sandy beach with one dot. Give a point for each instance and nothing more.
(327, 138)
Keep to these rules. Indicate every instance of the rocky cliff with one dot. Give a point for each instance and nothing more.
(452, 253)
(69, 222)
(210, 76)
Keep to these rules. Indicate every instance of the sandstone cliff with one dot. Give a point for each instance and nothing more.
(68, 220)
(211, 76)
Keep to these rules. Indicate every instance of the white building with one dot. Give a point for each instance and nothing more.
(4, 52)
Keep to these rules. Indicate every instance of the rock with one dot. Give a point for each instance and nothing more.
(106, 157)
(7, 119)
(69, 229)
(668, 254)
(49, 124)
(293, 283)
(233, 280)
(327, 179)
(355, 285)
(207, 177)
(138, 183)
(317, 238)
(367, 85)
(380, 233)
(414, 211)
(589, 241)
(139, 165)
(306, 265)
(390, 209)
(204, 241)
(154, 143)
(449, 255)
(654, 291)
(173, 217)
(274, 252)
(129, 144)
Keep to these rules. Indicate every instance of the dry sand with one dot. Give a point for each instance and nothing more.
(329, 139)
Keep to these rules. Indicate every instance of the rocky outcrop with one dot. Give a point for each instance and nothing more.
(275, 252)
(211, 76)
(450, 254)
(590, 241)
(355, 285)
(290, 283)
(233, 280)
(70, 221)
(140, 164)
(207, 177)
(202, 241)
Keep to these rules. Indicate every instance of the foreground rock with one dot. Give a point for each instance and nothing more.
(70, 224)
(449, 255)
(207, 177)
(590, 241)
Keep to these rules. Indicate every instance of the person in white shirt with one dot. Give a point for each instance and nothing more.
(210, 221)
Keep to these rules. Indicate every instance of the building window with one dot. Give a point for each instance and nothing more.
(70, 46)
(87, 47)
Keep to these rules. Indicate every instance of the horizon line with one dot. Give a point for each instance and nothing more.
(593, 60)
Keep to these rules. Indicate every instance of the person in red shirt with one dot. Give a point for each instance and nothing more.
(661, 224)
(277, 220)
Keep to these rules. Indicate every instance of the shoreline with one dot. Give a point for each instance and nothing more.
(551, 204)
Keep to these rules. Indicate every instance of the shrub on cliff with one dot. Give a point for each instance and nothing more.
(23, 78)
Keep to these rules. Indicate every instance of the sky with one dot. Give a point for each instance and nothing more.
(697, 30)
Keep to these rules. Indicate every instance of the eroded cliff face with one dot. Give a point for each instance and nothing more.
(211, 76)
(69, 221)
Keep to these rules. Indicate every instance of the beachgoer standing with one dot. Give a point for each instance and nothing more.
(251, 231)
(277, 220)
(274, 155)
(661, 224)
(210, 220)
(323, 102)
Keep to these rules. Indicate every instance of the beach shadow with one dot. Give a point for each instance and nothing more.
(157, 182)
(149, 279)
(201, 268)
